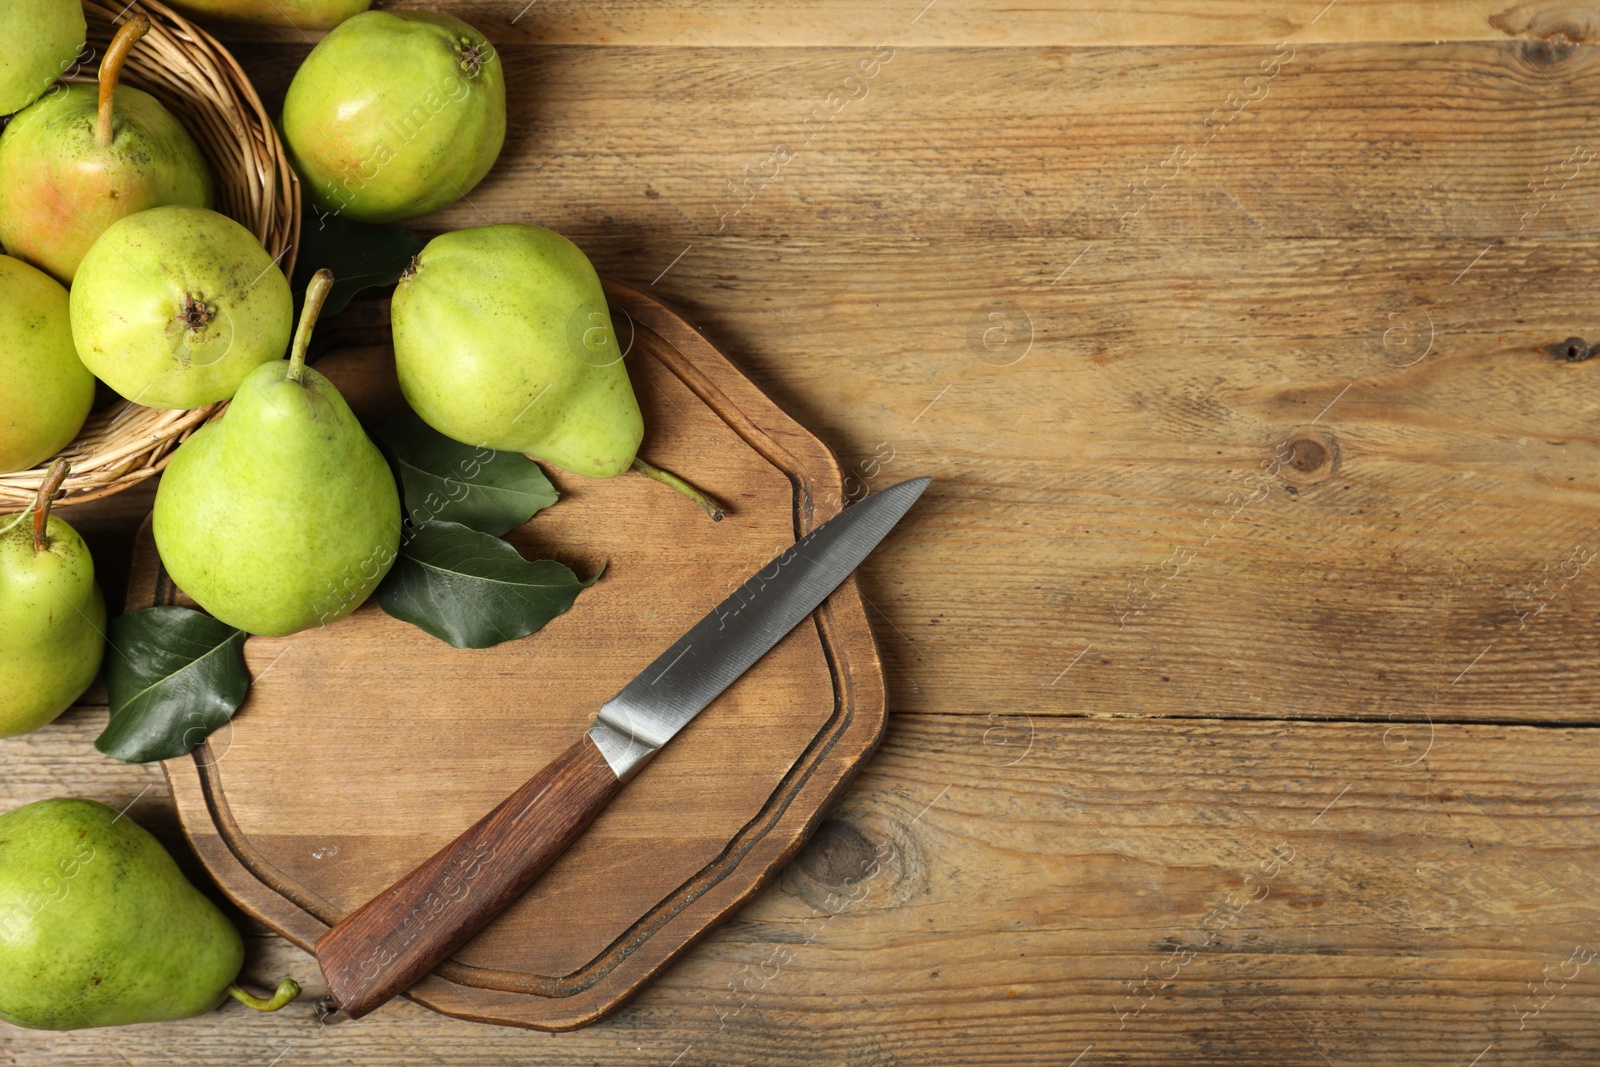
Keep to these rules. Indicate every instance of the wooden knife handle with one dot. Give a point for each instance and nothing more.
(388, 944)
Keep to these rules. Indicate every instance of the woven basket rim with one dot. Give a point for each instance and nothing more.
(200, 81)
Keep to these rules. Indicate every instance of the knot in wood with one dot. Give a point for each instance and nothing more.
(1306, 457)
(848, 863)
(1550, 52)
(1572, 350)
(839, 853)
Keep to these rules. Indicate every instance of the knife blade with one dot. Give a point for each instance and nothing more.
(393, 941)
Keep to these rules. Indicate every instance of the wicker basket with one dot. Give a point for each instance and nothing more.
(200, 82)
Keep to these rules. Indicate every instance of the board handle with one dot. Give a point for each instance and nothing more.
(388, 944)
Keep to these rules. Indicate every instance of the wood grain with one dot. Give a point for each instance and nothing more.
(389, 943)
(1075, 145)
(1061, 23)
(1389, 192)
(1028, 872)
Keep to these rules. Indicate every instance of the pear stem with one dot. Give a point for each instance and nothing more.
(111, 72)
(41, 503)
(712, 509)
(287, 990)
(316, 296)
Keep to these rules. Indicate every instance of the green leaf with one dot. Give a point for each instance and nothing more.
(174, 675)
(447, 481)
(360, 256)
(472, 589)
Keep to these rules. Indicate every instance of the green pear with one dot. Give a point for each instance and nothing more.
(502, 340)
(301, 14)
(45, 390)
(42, 38)
(80, 159)
(174, 306)
(52, 615)
(282, 514)
(395, 114)
(99, 927)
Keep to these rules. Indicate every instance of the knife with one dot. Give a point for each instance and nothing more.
(393, 940)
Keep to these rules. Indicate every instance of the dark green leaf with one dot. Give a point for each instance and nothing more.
(360, 256)
(447, 481)
(473, 590)
(173, 675)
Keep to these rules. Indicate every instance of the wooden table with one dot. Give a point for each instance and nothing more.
(1242, 656)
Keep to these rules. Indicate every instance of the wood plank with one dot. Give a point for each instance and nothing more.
(1119, 490)
(1340, 143)
(1124, 493)
(1060, 23)
(1029, 872)
(1137, 507)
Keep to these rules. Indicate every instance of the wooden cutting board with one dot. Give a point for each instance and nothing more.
(367, 745)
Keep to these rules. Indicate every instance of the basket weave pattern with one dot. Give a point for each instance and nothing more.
(195, 77)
